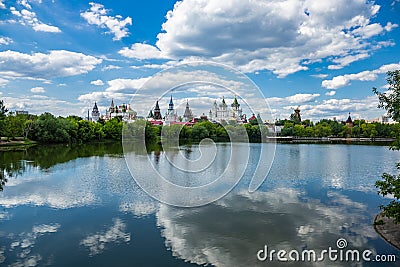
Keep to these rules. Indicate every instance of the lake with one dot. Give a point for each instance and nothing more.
(79, 206)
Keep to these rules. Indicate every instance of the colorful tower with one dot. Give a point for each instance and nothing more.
(349, 121)
(157, 112)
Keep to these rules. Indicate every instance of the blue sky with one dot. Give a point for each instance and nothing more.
(324, 56)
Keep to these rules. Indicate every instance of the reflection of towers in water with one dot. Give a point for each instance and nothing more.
(157, 154)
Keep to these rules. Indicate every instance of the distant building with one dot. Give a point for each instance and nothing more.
(95, 113)
(382, 119)
(296, 115)
(155, 117)
(171, 115)
(349, 121)
(157, 112)
(253, 117)
(150, 115)
(21, 112)
(203, 117)
(111, 112)
(221, 112)
(187, 115)
(124, 111)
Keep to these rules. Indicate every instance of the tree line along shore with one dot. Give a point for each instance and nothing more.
(47, 128)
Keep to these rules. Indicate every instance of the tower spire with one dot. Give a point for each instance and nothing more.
(157, 112)
(171, 105)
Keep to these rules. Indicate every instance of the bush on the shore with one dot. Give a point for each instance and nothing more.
(390, 184)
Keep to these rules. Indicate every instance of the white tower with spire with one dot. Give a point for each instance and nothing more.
(171, 115)
(95, 113)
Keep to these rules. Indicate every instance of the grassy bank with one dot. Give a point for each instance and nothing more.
(15, 144)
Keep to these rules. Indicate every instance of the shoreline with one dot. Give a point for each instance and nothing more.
(15, 145)
(389, 231)
(332, 140)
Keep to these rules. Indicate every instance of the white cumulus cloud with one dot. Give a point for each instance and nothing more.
(97, 15)
(3, 82)
(121, 89)
(280, 36)
(57, 63)
(296, 99)
(5, 40)
(97, 243)
(38, 90)
(97, 82)
(142, 51)
(367, 75)
(27, 17)
(330, 93)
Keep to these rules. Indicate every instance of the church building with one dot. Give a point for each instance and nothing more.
(171, 115)
(95, 113)
(187, 115)
(222, 112)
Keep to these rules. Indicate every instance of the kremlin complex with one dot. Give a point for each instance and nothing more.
(218, 113)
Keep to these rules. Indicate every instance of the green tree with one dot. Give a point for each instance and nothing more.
(171, 131)
(288, 128)
(3, 112)
(211, 128)
(28, 125)
(253, 132)
(185, 133)
(14, 125)
(390, 184)
(390, 100)
(323, 129)
(309, 132)
(113, 129)
(346, 131)
(86, 131)
(298, 130)
(199, 132)
(221, 133)
(49, 129)
(356, 131)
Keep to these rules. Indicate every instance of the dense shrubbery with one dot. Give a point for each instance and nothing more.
(196, 132)
(325, 128)
(390, 183)
(47, 128)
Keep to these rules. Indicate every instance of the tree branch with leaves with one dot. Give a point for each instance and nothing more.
(390, 184)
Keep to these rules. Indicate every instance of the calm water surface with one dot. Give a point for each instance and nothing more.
(66, 206)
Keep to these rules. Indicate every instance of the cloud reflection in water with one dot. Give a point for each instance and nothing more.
(231, 231)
